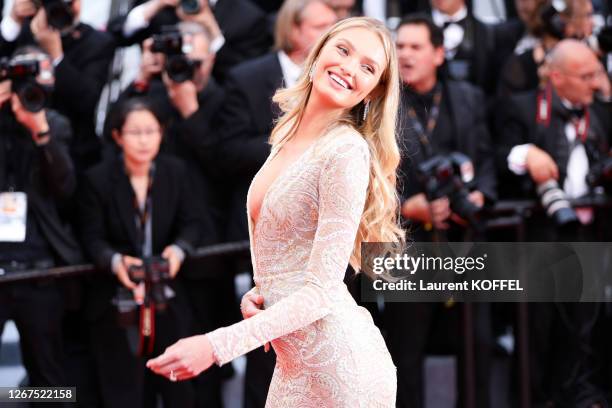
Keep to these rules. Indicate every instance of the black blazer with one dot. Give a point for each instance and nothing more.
(481, 38)
(465, 129)
(516, 125)
(244, 26)
(107, 218)
(246, 120)
(51, 179)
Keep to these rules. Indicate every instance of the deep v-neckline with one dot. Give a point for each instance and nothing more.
(276, 180)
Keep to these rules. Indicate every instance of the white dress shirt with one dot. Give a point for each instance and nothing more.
(291, 71)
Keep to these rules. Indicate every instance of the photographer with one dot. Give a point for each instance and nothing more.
(439, 117)
(239, 29)
(549, 142)
(525, 69)
(36, 177)
(133, 208)
(175, 74)
(81, 56)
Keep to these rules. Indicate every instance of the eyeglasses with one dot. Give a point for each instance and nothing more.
(587, 77)
(142, 132)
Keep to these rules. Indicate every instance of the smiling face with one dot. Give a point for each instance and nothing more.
(348, 68)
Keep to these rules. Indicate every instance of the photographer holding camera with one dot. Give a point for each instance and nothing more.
(549, 142)
(443, 132)
(36, 177)
(526, 69)
(81, 56)
(175, 74)
(138, 222)
(239, 29)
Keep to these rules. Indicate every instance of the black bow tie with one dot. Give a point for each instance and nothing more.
(448, 22)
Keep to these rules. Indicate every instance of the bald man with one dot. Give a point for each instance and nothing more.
(550, 139)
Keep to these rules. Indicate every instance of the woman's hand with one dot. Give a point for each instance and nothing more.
(174, 260)
(250, 305)
(185, 359)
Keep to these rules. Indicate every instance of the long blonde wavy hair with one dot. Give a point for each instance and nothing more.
(379, 222)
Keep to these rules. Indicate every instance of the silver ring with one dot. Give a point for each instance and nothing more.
(172, 376)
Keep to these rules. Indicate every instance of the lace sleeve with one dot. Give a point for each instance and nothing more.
(342, 189)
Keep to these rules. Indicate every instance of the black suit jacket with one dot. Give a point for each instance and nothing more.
(465, 128)
(107, 218)
(50, 176)
(480, 38)
(516, 125)
(246, 120)
(244, 26)
(79, 79)
(193, 140)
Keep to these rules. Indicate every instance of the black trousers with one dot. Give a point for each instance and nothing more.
(124, 380)
(562, 359)
(36, 308)
(416, 329)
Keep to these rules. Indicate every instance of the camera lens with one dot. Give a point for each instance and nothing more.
(556, 204)
(59, 15)
(32, 96)
(179, 68)
(190, 6)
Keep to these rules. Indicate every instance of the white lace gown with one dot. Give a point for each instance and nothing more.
(329, 352)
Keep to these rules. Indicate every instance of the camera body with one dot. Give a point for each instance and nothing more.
(22, 72)
(600, 174)
(154, 273)
(59, 13)
(450, 175)
(179, 66)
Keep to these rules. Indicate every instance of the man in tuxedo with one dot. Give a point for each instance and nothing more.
(36, 177)
(247, 119)
(239, 28)
(440, 116)
(554, 137)
(468, 43)
(81, 56)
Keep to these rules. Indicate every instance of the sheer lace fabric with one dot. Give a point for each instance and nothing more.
(329, 352)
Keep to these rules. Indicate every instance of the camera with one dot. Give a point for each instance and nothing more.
(555, 203)
(450, 175)
(190, 6)
(179, 67)
(600, 174)
(155, 273)
(59, 13)
(22, 71)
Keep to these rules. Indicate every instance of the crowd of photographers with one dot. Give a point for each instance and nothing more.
(517, 110)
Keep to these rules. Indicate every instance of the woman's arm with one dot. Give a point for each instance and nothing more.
(342, 192)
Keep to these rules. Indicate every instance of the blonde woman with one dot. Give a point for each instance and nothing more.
(327, 186)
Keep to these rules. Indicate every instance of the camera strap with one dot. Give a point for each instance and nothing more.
(146, 338)
(143, 214)
(424, 134)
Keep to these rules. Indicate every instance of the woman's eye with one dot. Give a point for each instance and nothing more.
(342, 50)
(368, 68)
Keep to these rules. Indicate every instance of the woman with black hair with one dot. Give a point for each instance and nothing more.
(133, 208)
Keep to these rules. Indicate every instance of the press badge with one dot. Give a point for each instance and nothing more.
(13, 212)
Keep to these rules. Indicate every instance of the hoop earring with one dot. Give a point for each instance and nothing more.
(366, 109)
